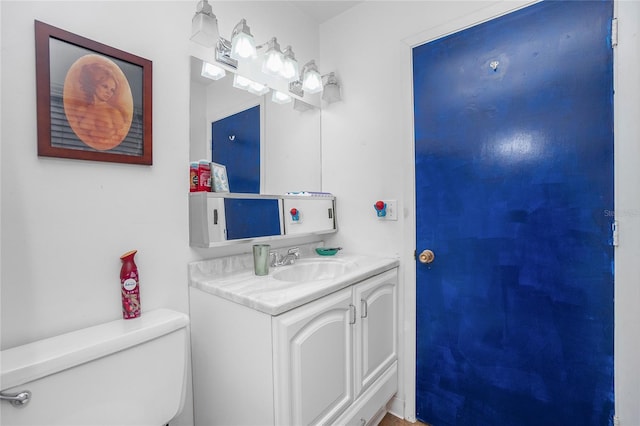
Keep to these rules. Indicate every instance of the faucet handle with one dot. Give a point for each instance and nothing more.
(294, 251)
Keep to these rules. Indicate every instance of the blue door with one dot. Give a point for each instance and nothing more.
(514, 180)
(236, 144)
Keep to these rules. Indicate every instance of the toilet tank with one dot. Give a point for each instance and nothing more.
(124, 372)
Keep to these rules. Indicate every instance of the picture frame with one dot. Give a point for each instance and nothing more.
(94, 102)
(219, 180)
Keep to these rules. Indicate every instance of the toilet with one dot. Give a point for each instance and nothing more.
(124, 372)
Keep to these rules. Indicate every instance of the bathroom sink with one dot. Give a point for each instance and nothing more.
(314, 270)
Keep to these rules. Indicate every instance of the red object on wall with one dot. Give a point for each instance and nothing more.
(379, 205)
(130, 286)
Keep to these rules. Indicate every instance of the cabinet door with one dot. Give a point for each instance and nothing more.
(313, 360)
(376, 333)
(314, 215)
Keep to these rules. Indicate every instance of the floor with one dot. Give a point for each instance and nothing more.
(391, 420)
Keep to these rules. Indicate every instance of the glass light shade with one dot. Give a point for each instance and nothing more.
(273, 62)
(331, 93)
(258, 88)
(312, 82)
(241, 82)
(242, 44)
(280, 98)
(212, 71)
(290, 70)
(204, 29)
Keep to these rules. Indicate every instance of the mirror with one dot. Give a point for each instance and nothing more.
(290, 150)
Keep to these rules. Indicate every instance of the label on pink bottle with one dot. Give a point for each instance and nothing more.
(130, 297)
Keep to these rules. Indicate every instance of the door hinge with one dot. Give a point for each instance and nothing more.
(415, 255)
(614, 233)
(614, 32)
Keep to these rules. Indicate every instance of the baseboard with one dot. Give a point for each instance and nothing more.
(396, 407)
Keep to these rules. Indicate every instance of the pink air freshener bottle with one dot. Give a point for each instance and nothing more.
(129, 285)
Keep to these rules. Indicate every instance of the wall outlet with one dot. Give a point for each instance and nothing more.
(392, 210)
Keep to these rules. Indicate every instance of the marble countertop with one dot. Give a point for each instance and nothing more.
(234, 280)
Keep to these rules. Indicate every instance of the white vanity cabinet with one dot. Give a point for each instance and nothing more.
(329, 361)
(330, 351)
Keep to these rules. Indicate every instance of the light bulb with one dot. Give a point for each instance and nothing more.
(242, 44)
(273, 58)
(311, 80)
(290, 70)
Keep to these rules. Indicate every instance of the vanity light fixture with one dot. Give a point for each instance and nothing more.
(204, 25)
(241, 48)
(311, 79)
(212, 71)
(280, 98)
(331, 92)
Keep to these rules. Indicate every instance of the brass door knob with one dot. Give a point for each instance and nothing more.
(426, 256)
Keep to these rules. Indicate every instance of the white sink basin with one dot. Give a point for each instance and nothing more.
(313, 270)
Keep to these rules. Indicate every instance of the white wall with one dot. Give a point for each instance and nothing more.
(367, 145)
(66, 222)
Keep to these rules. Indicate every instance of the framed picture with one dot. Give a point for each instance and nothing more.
(219, 181)
(94, 101)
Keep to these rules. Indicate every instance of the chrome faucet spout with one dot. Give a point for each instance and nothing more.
(292, 255)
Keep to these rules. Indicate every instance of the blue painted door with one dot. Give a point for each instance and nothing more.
(514, 180)
(236, 144)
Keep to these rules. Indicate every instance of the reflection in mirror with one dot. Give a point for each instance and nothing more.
(289, 138)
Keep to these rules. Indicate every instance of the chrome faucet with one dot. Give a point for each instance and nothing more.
(292, 255)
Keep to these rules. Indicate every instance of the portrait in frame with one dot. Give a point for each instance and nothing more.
(93, 100)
